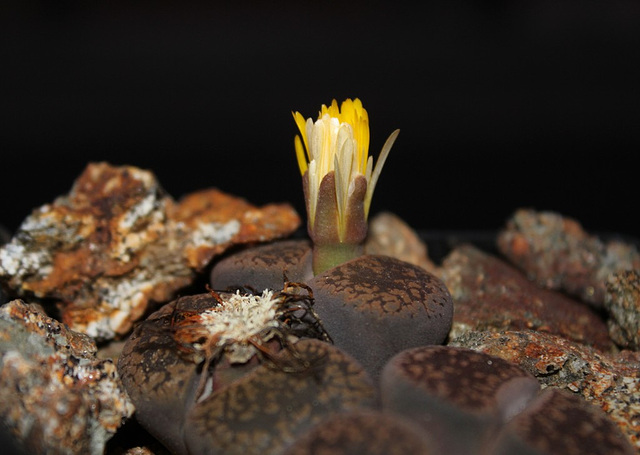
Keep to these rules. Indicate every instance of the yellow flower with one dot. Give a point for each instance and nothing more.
(338, 143)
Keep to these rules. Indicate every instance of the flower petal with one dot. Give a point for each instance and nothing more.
(343, 163)
(300, 154)
(376, 172)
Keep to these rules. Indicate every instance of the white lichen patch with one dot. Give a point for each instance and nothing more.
(21, 258)
(147, 209)
(211, 234)
(121, 300)
(238, 320)
(17, 261)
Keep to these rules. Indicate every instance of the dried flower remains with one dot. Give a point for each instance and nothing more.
(242, 325)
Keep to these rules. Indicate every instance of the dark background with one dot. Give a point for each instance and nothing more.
(500, 104)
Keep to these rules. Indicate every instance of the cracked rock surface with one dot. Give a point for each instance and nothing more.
(558, 253)
(490, 294)
(622, 301)
(117, 242)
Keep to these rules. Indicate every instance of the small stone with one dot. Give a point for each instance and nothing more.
(560, 423)
(117, 243)
(489, 294)
(612, 383)
(390, 236)
(264, 267)
(622, 301)
(460, 397)
(376, 306)
(364, 432)
(68, 401)
(557, 253)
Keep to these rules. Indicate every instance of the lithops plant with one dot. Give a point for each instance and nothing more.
(377, 306)
(338, 178)
(253, 372)
(269, 408)
(373, 306)
(459, 397)
(474, 403)
(560, 423)
(231, 373)
(265, 266)
(368, 432)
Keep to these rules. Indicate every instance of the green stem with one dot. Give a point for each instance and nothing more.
(330, 255)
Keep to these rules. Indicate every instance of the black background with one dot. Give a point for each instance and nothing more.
(500, 104)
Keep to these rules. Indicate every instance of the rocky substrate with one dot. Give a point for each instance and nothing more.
(530, 349)
(117, 243)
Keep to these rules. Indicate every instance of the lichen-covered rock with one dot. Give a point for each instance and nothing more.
(622, 301)
(489, 294)
(117, 242)
(557, 253)
(376, 306)
(55, 396)
(459, 397)
(612, 383)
